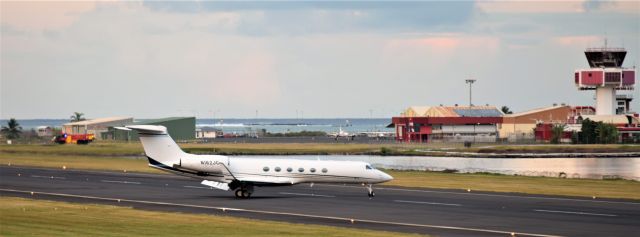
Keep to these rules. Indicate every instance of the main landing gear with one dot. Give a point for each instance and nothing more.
(243, 193)
(370, 191)
(241, 190)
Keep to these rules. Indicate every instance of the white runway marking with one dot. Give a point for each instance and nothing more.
(484, 194)
(575, 213)
(47, 177)
(289, 214)
(307, 194)
(117, 181)
(197, 187)
(429, 203)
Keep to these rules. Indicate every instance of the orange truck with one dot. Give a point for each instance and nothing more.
(80, 139)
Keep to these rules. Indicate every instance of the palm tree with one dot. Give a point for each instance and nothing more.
(506, 110)
(77, 116)
(12, 130)
(557, 130)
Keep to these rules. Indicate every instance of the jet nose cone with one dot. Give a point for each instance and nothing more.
(388, 177)
(385, 177)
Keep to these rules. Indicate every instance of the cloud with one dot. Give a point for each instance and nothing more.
(583, 41)
(38, 16)
(444, 44)
(303, 18)
(515, 7)
(628, 7)
(530, 6)
(149, 60)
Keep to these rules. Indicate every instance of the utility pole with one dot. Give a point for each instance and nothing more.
(470, 82)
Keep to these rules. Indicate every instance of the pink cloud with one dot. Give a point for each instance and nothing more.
(530, 6)
(582, 41)
(252, 79)
(444, 44)
(43, 15)
(556, 6)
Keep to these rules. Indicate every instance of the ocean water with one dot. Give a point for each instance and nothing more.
(279, 125)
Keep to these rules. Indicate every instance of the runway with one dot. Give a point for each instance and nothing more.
(428, 211)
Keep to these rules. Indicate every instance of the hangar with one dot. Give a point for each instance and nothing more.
(520, 126)
(448, 124)
(180, 128)
(95, 126)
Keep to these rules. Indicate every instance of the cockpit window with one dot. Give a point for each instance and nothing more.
(369, 167)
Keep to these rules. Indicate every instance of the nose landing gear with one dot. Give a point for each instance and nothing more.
(370, 191)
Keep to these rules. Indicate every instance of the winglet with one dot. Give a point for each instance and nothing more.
(149, 129)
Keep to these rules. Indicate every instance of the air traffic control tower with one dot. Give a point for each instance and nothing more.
(606, 76)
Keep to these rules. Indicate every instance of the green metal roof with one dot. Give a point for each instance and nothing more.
(161, 120)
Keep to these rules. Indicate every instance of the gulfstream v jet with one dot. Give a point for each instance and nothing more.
(241, 175)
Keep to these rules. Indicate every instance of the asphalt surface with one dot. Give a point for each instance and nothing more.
(427, 211)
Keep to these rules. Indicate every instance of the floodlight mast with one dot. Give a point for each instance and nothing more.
(470, 82)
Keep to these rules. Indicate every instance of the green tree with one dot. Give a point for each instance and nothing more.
(598, 132)
(12, 130)
(557, 130)
(77, 116)
(588, 133)
(607, 133)
(506, 110)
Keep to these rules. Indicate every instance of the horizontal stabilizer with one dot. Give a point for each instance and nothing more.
(217, 185)
(149, 129)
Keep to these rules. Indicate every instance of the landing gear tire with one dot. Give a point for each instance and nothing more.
(242, 193)
(370, 191)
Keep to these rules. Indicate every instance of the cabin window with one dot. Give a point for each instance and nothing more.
(313, 170)
(277, 169)
(265, 169)
(369, 167)
(289, 169)
(324, 170)
(300, 169)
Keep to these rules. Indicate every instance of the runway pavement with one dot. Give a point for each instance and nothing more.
(428, 211)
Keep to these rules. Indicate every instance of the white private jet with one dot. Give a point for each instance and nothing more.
(243, 174)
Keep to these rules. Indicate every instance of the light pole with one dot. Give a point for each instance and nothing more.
(470, 82)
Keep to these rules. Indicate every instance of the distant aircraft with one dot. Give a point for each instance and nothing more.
(377, 134)
(341, 133)
(241, 175)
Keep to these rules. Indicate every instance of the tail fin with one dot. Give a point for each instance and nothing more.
(158, 145)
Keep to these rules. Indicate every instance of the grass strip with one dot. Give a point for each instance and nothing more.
(27, 217)
(135, 149)
(626, 189)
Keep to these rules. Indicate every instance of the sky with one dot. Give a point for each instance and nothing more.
(153, 59)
